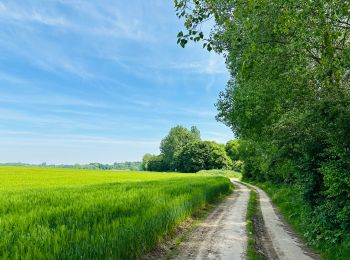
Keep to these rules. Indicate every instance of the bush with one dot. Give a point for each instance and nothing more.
(203, 155)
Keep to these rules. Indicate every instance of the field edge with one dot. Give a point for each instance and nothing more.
(169, 245)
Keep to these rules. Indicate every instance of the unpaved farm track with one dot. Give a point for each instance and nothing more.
(222, 235)
(280, 241)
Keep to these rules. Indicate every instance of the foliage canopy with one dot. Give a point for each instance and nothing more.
(183, 150)
(288, 98)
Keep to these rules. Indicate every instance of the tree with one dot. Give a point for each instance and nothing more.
(156, 164)
(172, 145)
(288, 99)
(203, 155)
(217, 158)
(232, 149)
(145, 160)
(196, 132)
(193, 157)
(182, 150)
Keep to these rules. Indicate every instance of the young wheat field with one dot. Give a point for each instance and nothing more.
(68, 213)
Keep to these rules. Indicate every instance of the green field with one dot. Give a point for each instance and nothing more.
(64, 213)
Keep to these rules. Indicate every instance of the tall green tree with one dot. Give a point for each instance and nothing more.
(203, 155)
(196, 132)
(145, 161)
(232, 149)
(156, 164)
(172, 145)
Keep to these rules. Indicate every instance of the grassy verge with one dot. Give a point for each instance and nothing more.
(196, 219)
(292, 206)
(252, 211)
(70, 214)
(225, 173)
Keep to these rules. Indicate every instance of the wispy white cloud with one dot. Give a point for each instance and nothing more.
(92, 21)
(60, 148)
(7, 115)
(210, 83)
(14, 12)
(14, 133)
(44, 54)
(52, 100)
(92, 72)
(200, 113)
(11, 78)
(59, 139)
(93, 18)
(208, 64)
(218, 136)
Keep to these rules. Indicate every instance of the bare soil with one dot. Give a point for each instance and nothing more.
(275, 237)
(170, 245)
(263, 244)
(222, 235)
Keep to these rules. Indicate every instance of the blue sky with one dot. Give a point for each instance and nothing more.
(100, 81)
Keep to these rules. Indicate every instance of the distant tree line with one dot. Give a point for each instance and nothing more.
(183, 150)
(132, 166)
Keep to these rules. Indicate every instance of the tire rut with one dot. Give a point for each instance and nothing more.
(275, 236)
(223, 233)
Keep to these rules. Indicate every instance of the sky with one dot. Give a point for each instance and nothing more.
(100, 81)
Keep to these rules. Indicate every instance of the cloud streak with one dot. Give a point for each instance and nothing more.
(16, 13)
(104, 75)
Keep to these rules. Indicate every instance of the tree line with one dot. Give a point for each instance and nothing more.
(183, 150)
(288, 98)
(132, 166)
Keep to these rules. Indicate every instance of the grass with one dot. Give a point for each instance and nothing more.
(190, 225)
(195, 221)
(225, 173)
(297, 213)
(252, 211)
(69, 213)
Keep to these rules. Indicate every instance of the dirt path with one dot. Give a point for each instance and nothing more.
(222, 235)
(280, 241)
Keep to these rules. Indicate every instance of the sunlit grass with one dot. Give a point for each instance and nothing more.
(68, 213)
(225, 173)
